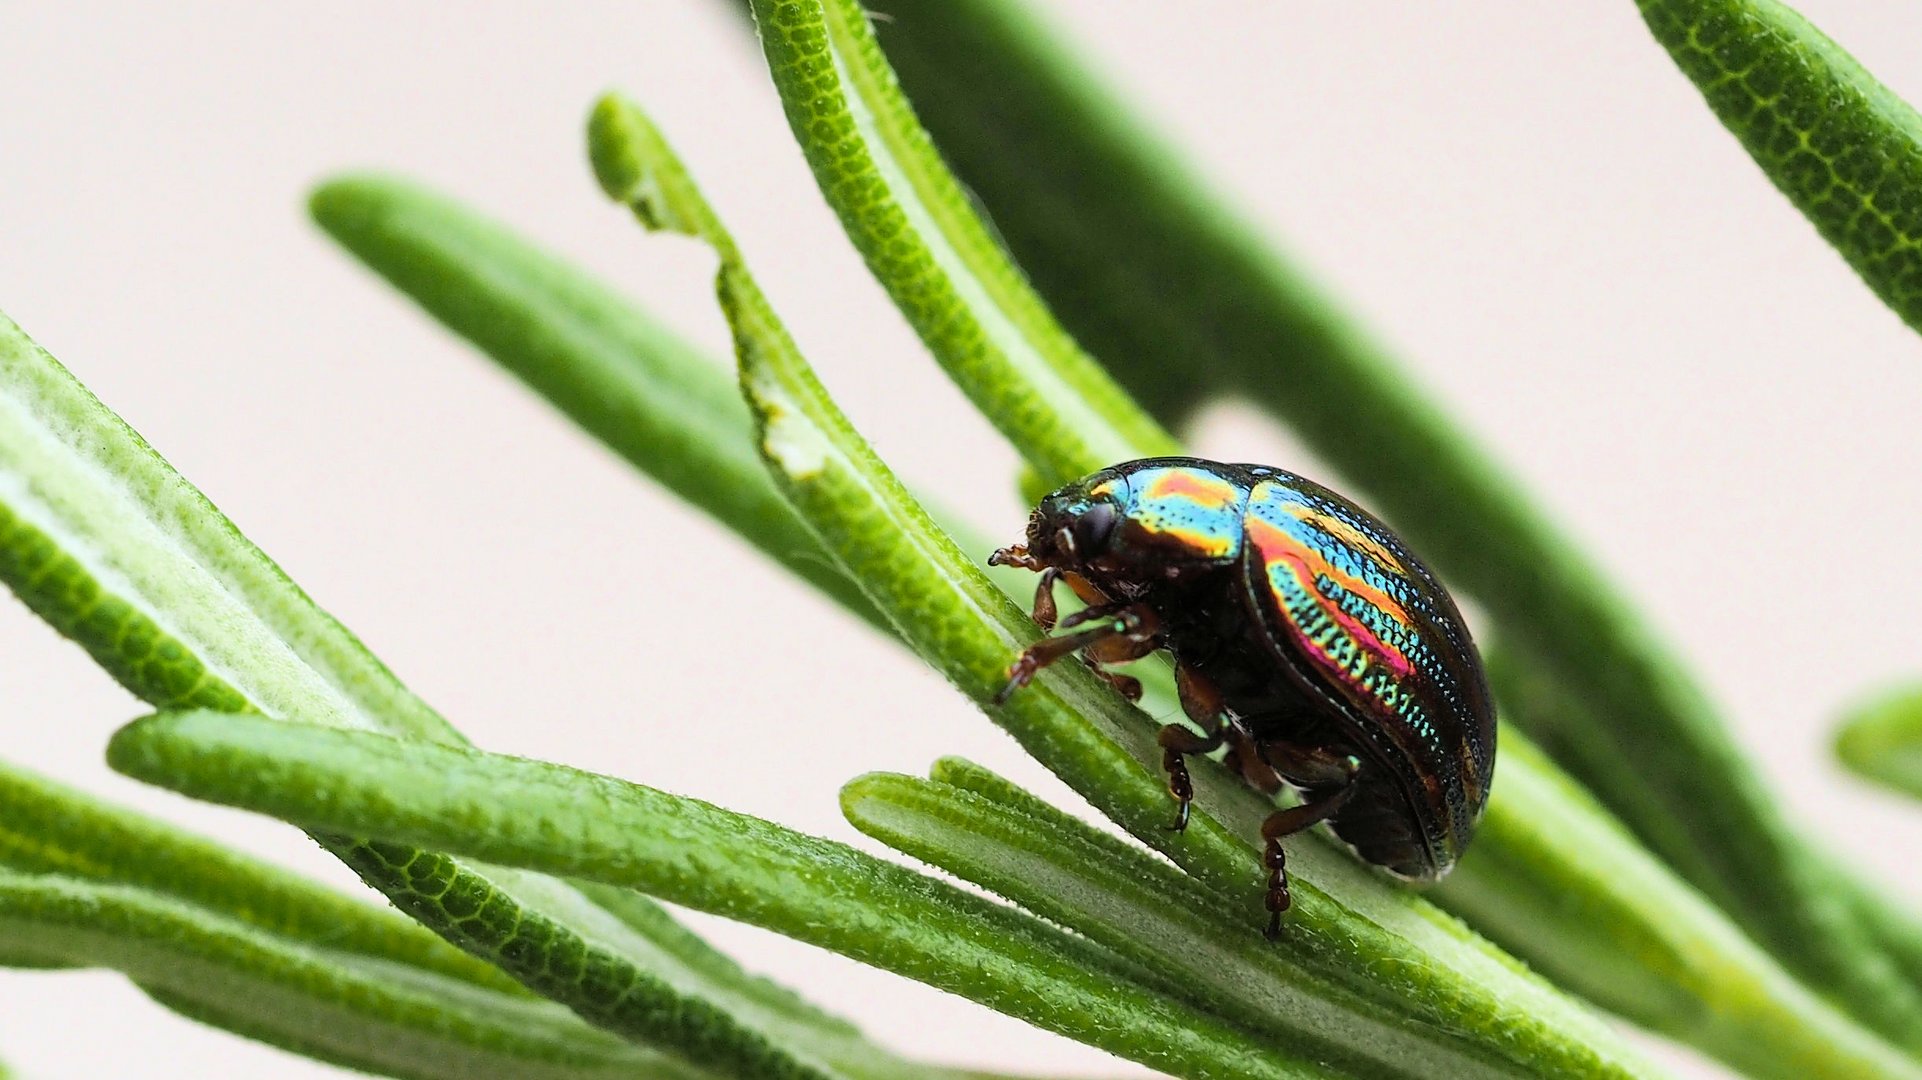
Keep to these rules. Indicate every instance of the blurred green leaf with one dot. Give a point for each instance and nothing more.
(631, 383)
(1843, 147)
(562, 821)
(1183, 300)
(1881, 739)
(1641, 941)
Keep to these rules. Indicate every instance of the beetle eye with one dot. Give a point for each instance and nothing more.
(1092, 528)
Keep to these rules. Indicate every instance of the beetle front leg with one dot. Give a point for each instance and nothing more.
(1125, 634)
(1017, 555)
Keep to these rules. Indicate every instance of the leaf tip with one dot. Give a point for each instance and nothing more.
(949, 768)
(134, 750)
(609, 126)
(348, 204)
(635, 166)
(863, 795)
(1887, 723)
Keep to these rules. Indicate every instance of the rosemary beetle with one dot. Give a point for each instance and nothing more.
(1311, 649)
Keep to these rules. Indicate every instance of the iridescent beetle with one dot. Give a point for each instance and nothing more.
(1309, 643)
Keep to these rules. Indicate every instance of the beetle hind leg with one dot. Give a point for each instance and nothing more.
(1285, 823)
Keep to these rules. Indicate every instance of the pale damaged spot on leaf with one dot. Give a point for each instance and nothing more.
(789, 440)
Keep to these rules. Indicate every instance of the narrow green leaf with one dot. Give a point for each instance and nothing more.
(631, 383)
(1640, 940)
(353, 1010)
(924, 243)
(1183, 299)
(1147, 910)
(1881, 739)
(1620, 921)
(101, 538)
(1887, 917)
(1347, 925)
(49, 828)
(563, 821)
(1843, 147)
(1881, 989)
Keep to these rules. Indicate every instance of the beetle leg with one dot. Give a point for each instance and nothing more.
(1313, 767)
(1088, 591)
(1126, 685)
(1014, 555)
(1202, 702)
(1044, 609)
(1114, 650)
(1284, 823)
(1090, 614)
(1247, 759)
(1177, 742)
(1121, 635)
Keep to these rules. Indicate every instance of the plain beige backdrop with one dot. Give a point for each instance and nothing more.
(1524, 198)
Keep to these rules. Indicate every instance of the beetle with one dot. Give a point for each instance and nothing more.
(1310, 646)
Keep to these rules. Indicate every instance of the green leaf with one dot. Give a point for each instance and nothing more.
(1639, 940)
(1350, 927)
(1883, 988)
(1183, 300)
(1886, 917)
(345, 1008)
(649, 396)
(1150, 912)
(563, 821)
(1843, 147)
(914, 225)
(106, 542)
(1617, 916)
(1881, 739)
(47, 828)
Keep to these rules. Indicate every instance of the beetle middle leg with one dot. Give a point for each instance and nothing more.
(1120, 633)
(1201, 700)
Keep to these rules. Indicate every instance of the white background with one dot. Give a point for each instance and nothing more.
(1526, 199)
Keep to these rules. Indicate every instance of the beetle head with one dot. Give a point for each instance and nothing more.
(1130, 526)
(1071, 528)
